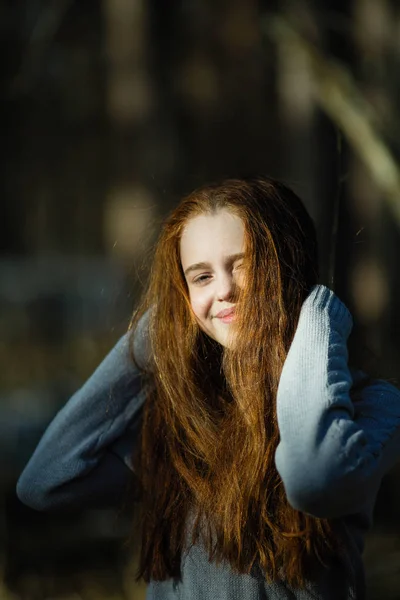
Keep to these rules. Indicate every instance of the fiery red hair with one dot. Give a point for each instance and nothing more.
(210, 430)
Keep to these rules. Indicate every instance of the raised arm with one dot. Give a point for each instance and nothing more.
(332, 452)
(84, 456)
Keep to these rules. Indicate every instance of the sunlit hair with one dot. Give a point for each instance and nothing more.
(206, 458)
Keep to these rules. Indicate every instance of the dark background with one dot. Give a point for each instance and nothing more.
(112, 110)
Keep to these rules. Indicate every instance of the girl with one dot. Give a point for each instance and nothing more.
(257, 453)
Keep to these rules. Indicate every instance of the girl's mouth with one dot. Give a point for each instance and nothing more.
(227, 315)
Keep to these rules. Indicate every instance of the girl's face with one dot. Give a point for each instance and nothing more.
(212, 251)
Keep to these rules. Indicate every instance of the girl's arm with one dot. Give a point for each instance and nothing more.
(84, 456)
(332, 452)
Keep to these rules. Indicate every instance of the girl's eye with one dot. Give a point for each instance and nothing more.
(201, 279)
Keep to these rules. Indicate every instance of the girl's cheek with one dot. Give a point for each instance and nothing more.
(200, 305)
(194, 302)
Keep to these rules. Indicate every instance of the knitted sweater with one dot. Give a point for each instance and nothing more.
(331, 456)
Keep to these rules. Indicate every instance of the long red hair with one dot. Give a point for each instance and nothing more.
(206, 457)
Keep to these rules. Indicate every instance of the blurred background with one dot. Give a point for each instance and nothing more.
(111, 110)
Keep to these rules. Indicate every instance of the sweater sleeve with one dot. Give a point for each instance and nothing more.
(84, 456)
(332, 452)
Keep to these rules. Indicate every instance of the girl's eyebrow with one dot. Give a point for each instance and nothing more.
(197, 266)
(206, 265)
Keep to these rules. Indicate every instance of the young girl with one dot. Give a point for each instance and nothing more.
(257, 453)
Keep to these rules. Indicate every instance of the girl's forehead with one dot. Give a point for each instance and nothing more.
(222, 221)
(208, 234)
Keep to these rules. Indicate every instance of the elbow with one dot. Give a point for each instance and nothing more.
(322, 491)
(311, 500)
(329, 503)
(32, 495)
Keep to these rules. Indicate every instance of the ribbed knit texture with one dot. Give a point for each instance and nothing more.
(331, 456)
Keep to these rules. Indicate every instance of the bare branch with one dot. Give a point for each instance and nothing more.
(338, 96)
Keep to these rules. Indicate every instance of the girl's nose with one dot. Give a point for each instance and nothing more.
(225, 288)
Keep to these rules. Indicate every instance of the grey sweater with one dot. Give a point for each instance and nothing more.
(331, 457)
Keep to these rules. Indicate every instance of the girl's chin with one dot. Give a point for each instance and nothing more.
(222, 333)
(225, 338)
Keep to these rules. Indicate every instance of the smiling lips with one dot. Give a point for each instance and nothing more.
(227, 315)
